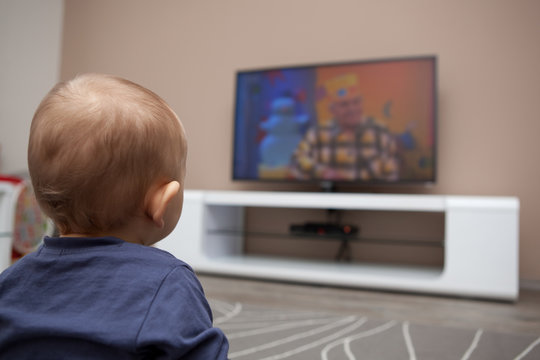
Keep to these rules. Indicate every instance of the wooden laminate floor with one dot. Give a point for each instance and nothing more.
(522, 316)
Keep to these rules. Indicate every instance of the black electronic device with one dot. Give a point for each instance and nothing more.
(323, 229)
(279, 110)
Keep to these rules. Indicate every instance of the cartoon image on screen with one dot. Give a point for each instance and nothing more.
(362, 122)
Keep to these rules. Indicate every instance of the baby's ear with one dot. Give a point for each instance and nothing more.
(157, 200)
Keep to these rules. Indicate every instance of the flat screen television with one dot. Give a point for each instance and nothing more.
(365, 122)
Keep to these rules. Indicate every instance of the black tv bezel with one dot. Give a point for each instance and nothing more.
(330, 185)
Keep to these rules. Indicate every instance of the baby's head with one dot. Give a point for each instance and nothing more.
(98, 144)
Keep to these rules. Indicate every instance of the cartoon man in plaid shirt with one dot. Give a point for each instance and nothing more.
(350, 146)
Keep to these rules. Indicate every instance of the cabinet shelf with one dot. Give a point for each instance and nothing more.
(437, 243)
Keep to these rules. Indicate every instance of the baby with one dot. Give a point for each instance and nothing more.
(107, 159)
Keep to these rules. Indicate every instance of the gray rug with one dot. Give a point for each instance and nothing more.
(271, 334)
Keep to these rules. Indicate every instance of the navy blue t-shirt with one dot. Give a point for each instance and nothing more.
(104, 298)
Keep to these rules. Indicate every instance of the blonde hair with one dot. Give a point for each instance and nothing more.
(97, 143)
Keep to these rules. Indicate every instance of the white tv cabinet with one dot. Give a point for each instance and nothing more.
(481, 239)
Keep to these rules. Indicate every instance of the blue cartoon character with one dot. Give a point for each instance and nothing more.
(284, 132)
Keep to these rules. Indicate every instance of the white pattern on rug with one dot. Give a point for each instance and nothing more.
(258, 333)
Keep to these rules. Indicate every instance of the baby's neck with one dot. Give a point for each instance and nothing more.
(137, 231)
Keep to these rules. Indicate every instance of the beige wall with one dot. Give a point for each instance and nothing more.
(188, 51)
(30, 39)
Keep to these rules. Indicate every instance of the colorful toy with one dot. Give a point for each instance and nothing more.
(22, 223)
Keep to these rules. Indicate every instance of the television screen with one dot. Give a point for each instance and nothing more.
(366, 122)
